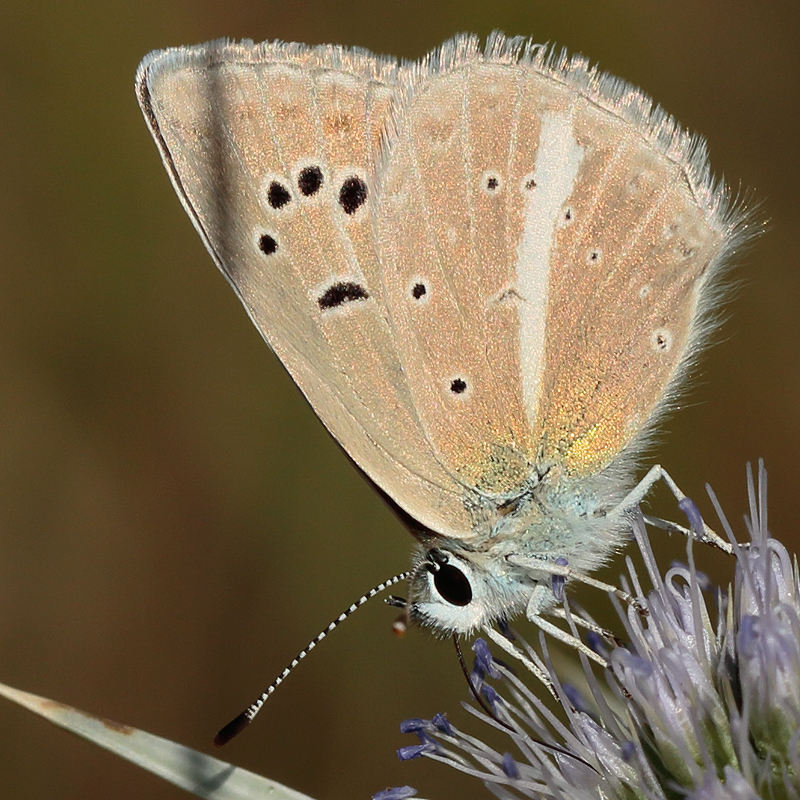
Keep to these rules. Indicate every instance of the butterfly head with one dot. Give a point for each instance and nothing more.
(454, 591)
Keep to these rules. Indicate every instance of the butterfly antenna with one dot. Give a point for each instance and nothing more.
(237, 725)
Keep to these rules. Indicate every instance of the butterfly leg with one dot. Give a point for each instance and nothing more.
(541, 601)
(538, 670)
(638, 493)
(588, 625)
(567, 638)
(542, 597)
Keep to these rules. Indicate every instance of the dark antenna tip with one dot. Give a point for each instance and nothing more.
(233, 728)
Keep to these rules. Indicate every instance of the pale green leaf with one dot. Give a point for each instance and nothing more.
(189, 769)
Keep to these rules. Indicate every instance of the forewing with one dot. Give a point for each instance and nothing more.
(272, 149)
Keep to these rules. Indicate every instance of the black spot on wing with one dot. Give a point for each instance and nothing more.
(278, 195)
(309, 181)
(353, 194)
(267, 244)
(340, 293)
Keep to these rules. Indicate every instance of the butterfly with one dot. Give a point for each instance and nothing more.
(488, 271)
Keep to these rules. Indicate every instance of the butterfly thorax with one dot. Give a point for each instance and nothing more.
(460, 583)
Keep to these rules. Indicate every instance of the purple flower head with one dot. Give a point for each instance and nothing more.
(702, 701)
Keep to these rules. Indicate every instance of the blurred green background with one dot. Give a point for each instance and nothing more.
(174, 521)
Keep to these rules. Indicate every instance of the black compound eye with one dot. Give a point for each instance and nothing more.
(453, 585)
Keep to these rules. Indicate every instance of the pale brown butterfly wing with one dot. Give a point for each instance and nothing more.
(445, 230)
(629, 270)
(563, 236)
(272, 149)
(509, 277)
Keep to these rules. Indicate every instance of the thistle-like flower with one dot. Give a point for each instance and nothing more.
(702, 701)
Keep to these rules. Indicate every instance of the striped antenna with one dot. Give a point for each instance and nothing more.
(237, 725)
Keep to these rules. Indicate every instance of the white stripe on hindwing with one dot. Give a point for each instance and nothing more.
(558, 158)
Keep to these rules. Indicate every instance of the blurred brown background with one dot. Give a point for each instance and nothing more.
(174, 522)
